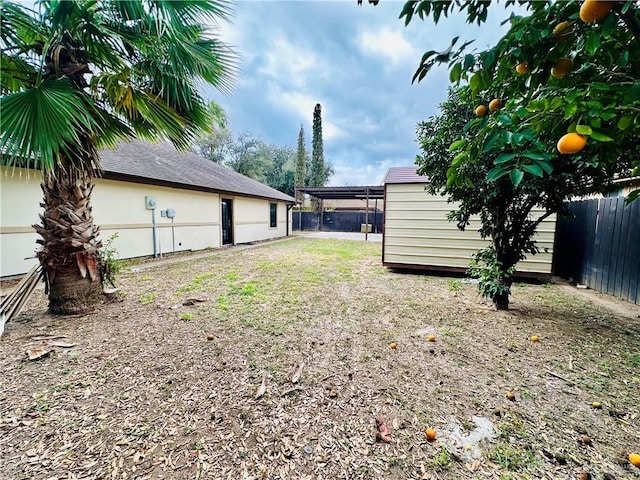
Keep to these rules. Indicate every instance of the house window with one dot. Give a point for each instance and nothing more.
(273, 210)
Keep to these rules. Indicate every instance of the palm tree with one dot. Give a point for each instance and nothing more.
(76, 76)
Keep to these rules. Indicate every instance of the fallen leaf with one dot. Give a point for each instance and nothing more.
(38, 338)
(263, 386)
(60, 344)
(296, 374)
(192, 301)
(37, 353)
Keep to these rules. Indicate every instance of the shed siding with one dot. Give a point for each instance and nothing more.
(418, 233)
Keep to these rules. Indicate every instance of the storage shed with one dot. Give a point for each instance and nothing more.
(197, 204)
(418, 235)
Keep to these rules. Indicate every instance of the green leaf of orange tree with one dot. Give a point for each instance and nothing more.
(504, 158)
(584, 129)
(457, 145)
(600, 137)
(625, 122)
(516, 177)
(533, 170)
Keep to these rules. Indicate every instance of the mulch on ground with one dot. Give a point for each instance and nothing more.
(143, 392)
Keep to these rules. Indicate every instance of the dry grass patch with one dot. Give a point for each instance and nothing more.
(144, 394)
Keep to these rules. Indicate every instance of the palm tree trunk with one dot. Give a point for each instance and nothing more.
(70, 245)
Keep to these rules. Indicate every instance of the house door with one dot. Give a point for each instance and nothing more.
(227, 221)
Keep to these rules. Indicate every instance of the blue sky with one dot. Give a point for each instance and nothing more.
(357, 62)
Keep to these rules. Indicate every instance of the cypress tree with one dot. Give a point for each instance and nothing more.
(300, 164)
(317, 177)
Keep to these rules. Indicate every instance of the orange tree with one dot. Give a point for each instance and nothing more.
(566, 123)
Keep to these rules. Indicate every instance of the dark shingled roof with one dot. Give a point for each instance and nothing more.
(404, 175)
(161, 164)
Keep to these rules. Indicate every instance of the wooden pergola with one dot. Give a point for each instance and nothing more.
(373, 192)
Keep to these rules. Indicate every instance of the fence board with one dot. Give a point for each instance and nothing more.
(616, 251)
(591, 247)
(600, 246)
(604, 231)
(633, 254)
(625, 231)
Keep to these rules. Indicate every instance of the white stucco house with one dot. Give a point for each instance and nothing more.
(194, 204)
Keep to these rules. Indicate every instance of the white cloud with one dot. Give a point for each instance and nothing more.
(290, 63)
(303, 104)
(357, 62)
(388, 43)
(368, 174)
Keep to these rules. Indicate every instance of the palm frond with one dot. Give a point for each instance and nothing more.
(154, 111)
(147, 59)
(192, 11)
(19, 27)
(16, 74)
(42, 123)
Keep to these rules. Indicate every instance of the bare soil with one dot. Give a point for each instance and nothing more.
(143, 394)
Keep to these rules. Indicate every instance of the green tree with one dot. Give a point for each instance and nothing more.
(574, 75)
(80, 75)
(301, 167)
(509, 214)
(250, 156)
(317, 173)
(577, 77)
(282, 173)
(216, 144)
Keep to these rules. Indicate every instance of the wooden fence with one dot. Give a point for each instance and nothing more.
(600, 247)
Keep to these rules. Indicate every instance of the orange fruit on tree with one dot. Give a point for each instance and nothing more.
(571, 143)
(523, 68)
(561, 68)
(635, 459)
(495, 104)
(431, 338)
(393, 345)
(430, 433)
(481, 111)
(594, 10)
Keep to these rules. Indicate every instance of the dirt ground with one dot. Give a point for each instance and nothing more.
(143, 393)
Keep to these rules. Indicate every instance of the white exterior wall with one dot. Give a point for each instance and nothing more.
(119, 207)
(251, 219)
(20, 198)
(417, 232)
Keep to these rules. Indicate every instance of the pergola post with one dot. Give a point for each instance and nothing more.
(366, 219)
